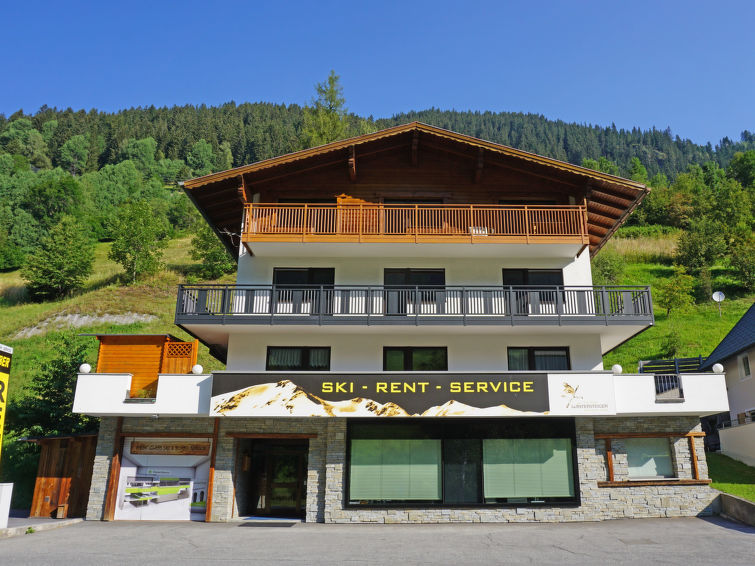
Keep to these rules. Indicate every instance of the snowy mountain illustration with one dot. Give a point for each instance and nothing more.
(285, 398)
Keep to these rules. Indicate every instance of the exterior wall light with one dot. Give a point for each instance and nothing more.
(718, 368)
(85, 368)
(197, 369)
(616, 369)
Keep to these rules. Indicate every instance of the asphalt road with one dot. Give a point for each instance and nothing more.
(643, 541)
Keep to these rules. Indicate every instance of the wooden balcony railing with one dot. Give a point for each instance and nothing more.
(377, 304)
(415, 223)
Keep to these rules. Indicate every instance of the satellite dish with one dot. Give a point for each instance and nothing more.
(718, 296)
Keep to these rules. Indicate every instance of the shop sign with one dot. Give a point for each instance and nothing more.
(379, 394)
(581, 394)
(160, 447)
(6, 354)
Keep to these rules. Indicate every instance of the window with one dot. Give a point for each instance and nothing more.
(539, 359)
(464, 462)
(389, 469)
(288, 358)
(648, 458)
(538, 277)
(744, 367)
(402, 299)
(521, 468)
(415, 359)
(303, 276)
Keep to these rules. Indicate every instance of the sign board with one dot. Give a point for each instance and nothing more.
(6, 354)
(379, 394)
(167, 447)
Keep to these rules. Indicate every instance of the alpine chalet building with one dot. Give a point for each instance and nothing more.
(413, 336)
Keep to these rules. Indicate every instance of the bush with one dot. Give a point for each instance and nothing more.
(607, 268)
(62, 263)
(675, 292)
(206, 247)
(650, 231)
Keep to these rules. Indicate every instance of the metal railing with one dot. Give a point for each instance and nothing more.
(383, 304)
(417, 222)
(668, 388)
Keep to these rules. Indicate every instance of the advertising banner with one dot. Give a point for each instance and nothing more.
(6, 354)
(379, 394)
(163, 480)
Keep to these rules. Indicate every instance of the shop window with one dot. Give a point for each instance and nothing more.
(539, 359)
(463, 462)
(287, 358)
(518, 469)
(649, 458)
(415, 359)
(395, 469)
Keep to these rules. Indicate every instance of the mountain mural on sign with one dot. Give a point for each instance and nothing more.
(285, 398)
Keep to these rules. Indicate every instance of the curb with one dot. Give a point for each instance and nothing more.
(16, 531)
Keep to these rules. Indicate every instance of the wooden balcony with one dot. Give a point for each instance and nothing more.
(144, 357)
(418, 223)
(393, 305)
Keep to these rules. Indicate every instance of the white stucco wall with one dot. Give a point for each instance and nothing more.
(741, 391)
(739, 443)
(355, 271)
(364, 352)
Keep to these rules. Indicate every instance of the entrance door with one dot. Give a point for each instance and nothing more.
(272, 478)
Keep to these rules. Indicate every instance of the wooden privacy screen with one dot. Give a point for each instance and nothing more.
(63, 476)
(145, 357)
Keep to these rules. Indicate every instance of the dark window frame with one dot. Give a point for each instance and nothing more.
(527, 273)
(531, 356)
(408, 350)
(310, 272)
(462, 428)
(306, 349)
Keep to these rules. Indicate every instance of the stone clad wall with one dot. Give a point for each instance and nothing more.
(327, 466)
(224, 505)
(597, 503)
(102, 457)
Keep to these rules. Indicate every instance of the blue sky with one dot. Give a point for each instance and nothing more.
(686, 65)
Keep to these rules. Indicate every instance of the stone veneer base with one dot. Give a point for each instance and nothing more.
(326, 467)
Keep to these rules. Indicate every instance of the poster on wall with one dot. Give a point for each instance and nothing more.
(163, 480)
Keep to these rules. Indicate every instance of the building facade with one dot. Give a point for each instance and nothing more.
(413, 336)
(736, 353)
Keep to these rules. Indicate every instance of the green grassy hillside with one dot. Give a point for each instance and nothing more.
(699, 328)
(103, 295)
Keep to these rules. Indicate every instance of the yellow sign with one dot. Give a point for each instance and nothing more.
(6, 353)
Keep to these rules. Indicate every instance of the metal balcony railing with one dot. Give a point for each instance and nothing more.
(379, 304)
(369, 222)
(668, 388)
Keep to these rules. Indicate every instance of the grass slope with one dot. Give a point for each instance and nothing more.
(731, 476)
(103, 294)
(649, 260)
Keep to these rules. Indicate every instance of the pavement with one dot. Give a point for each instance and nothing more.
(631, 541)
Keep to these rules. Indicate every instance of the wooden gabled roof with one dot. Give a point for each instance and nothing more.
(219, 196)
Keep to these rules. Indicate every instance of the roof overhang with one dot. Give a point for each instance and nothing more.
(220, 196)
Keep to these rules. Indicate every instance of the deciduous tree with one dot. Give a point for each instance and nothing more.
(140, 238)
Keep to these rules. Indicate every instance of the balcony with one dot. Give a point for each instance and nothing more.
(109, 394)
(367, 223)
(391, 305)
